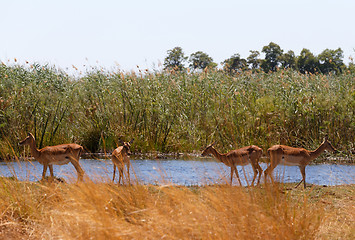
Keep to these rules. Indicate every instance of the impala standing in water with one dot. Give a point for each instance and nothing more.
(120, 158)
(290, 156)
(55, 155)
(242, 156)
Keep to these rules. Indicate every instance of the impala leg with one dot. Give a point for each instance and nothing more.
(304, 177)
(265, 174)
(231, 176)
(303, 172)
(260, 171)
(299, 184)
(78, 168)
(114, 172)
(269, 171)
(275, 159)
(51, 170)
(254, 177)
(255, 172)
(253, 163)
(120, 178)
(128, 175)
(45, 165)
(237, 174)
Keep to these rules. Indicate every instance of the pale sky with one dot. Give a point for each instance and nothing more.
(105, 33)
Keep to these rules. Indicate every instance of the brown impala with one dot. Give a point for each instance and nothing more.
(290, 156)
(120, 158)
(55, 155)
(242, 156)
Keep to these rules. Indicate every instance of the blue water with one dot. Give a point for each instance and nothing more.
(181, 172)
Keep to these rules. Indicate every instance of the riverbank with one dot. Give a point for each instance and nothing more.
(337, 205)
(329, 159)
(107, 211)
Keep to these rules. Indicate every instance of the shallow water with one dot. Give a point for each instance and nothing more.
(182, 172)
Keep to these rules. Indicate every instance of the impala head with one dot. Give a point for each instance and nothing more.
(27, 140)
(328, 145)
(127, 146)
(207, 150)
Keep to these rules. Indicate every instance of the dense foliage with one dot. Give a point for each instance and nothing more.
(328, 61)
(173, 111)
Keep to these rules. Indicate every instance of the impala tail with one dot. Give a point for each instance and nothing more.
(268, 160)
(259, 151)
(81, 151)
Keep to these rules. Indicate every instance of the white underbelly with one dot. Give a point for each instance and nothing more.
(59, 160)
(291, 161)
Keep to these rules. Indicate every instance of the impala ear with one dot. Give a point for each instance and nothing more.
(130, 142)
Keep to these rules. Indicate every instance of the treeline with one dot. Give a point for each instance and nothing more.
(329, 61)
(174, 111)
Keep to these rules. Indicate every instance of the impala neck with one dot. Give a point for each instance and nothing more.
(34, 151)
(219, 156)
(314, 154)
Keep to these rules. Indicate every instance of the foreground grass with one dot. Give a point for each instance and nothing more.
(107, 211)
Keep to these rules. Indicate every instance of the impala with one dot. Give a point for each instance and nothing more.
(242, 156)
(55, 155)
(290, 156)
(120, 158)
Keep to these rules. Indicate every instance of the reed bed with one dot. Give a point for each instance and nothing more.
(107, 211)
(169, 111)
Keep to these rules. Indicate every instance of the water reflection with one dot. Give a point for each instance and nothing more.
(181, 172)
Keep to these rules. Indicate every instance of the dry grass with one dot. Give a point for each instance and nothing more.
(339, 211)
(107, 211)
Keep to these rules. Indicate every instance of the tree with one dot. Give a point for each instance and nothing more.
(200, 60)
(351, 67)
(273, 52)
(175, 59)
(331, 61)
(253, 60)
(234, 64)
(288, 60)
(307, 62)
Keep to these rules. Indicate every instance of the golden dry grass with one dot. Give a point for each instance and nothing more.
(107, 211)
(338, 203)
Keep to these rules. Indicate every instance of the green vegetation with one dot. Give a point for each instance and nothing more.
(328, 61)
(175, 111)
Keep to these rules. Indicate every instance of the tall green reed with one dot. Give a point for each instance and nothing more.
(175, 111)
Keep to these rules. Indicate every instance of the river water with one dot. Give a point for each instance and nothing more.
(181, 172)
